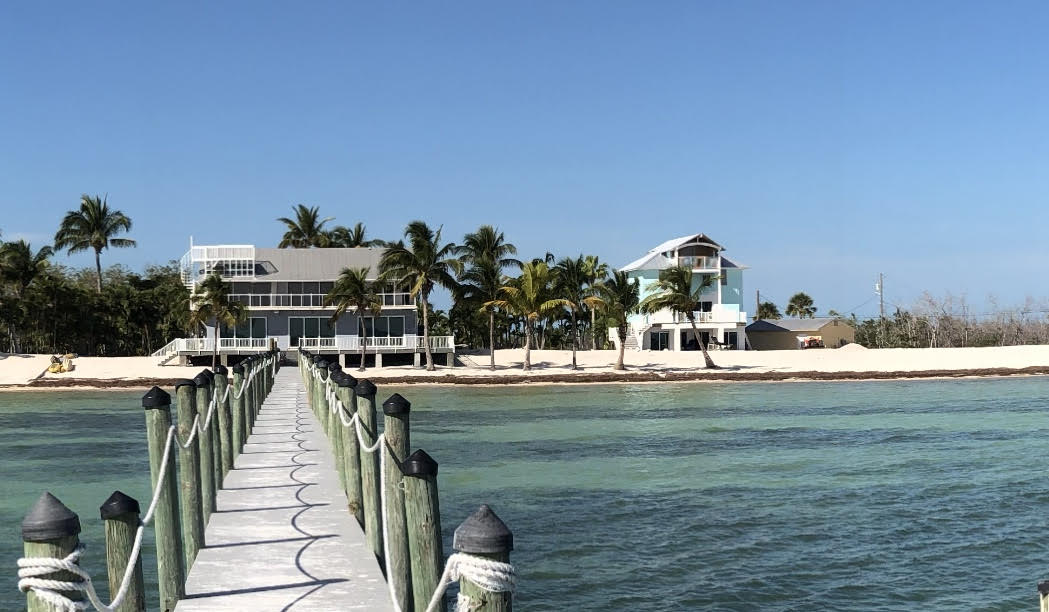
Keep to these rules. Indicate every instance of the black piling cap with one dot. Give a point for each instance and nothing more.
(396, 404)
(209, 374)
(344, 379)
(49, 519)
(316, 358)
(483, 532)
(220, 370)
(352, 381)
(336, 377)
(322, 364)
(333, 366)
(1043, 587)
(365, 388)
(238, 368)
(200, 380)
(118, 504)
(156, 398)
(419, 464)
(185, 382)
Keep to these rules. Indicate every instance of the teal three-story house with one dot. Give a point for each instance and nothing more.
(720, 319)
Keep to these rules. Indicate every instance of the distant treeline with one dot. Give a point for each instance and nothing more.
(950, 322)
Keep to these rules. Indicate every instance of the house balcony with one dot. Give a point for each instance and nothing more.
(336, 344)
(308, 300)
(391, 344)
(720, 314)
(698, 262)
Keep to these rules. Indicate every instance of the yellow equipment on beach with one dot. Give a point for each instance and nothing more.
(61, 364)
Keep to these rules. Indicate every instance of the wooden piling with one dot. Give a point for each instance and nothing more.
(322, 412)
(213, 432)
(225, 427)
(351, 449)
(483, 534)
(1043, 596)
(370, 466)
(333, 417)
(121, 515)
(190, 496)
(422, 512)
(338, 449)
(237, 408)
(51, 530)
(170, 571)
(396, 411)
(207, 455)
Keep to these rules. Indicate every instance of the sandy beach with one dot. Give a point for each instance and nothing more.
(27, 372)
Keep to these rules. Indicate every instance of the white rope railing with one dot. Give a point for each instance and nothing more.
(493, 576)
(30, 569)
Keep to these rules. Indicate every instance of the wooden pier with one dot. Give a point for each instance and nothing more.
(275, 490)
(280, 537)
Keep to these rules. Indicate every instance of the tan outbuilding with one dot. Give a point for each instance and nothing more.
(788, 334)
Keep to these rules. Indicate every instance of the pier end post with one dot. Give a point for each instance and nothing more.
(50, 530)
(484, 534)
(423, 514)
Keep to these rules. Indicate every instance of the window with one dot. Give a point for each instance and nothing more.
(383, 327)
(254, 327)
(309, 327)
(724, 279)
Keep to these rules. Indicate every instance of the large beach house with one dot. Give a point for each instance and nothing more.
(283, 292)
(720, 319)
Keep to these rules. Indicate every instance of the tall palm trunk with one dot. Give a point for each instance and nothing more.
(702, 345)
(528, 347)
(98, 270)
(575, 337)
(622, 344)
(426, 333)
(364, 345)
(593, 329)
(491, 339)
(215, 349)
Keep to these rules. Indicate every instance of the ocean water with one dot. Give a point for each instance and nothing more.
(866, 496)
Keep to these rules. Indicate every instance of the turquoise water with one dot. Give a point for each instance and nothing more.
(788, 496)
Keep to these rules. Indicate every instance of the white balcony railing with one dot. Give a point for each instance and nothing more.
(353, 343)
(308, 300)
(699, 262)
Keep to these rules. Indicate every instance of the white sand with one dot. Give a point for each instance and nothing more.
(19, 370)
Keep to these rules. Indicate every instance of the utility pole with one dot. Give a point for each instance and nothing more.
(880, 287)
(757, 304)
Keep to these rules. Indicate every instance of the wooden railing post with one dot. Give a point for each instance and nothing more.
(225, 427)
(351, 448)
(170, 571)
(50, 530)
(396, 410)
(323, 414)
(237, 410)
(334, 424)
(422, 512)
(370, 466)
(213, 437)
(207, 454)
(483, 534)
(334, 432)
(120, 514)
(190, 498)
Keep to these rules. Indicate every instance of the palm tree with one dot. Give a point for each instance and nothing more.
(422, 265)
(93, 227)
(351, 238)
(306, 230)
(674, 291)
(19, 265)
(620, 296)
(528, 296)
(212, 303)
(571, 279)
(353, 290)
(767, 310)
(596, 271)
(801, 306)
(488, 253)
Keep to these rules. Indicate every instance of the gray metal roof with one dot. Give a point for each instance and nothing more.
(313, 264)
(792, 325)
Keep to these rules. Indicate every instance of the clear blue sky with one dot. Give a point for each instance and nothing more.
(820, 142)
